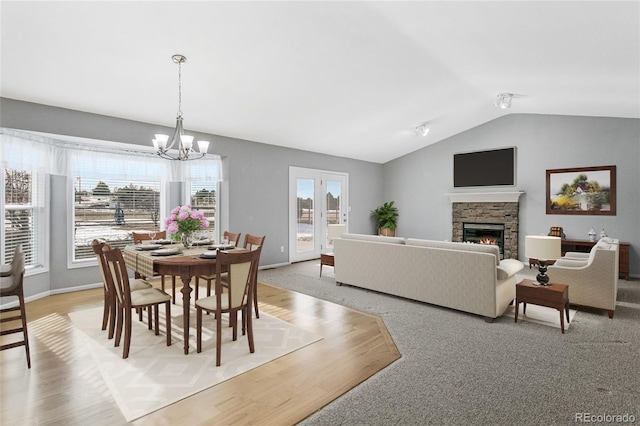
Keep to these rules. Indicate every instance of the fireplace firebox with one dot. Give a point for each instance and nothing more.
(484, 233)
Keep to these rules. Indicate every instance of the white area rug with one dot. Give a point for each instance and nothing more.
(156, 375)
(541, 315)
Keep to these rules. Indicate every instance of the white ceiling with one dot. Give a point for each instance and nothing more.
(346, 78)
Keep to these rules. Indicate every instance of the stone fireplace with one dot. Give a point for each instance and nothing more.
(495, 209)
(484, 233)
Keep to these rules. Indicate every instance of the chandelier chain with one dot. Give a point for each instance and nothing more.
(180, 89)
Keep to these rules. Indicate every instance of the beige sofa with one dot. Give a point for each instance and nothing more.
(466, 277)
(592, 277)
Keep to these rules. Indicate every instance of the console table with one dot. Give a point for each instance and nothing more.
(584, 246)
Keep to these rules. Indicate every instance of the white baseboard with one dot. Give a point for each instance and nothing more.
(51, 293)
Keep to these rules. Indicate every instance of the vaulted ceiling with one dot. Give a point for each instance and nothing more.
(345, 78)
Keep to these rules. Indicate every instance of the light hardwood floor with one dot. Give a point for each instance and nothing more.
(63, 387)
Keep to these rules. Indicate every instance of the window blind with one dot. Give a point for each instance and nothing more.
(202, 179)
(114, 195)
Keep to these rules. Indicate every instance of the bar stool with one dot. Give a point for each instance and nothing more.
(12, 285)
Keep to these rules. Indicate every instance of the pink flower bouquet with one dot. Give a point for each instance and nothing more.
(184, 221)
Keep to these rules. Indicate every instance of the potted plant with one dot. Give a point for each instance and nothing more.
(386, 219)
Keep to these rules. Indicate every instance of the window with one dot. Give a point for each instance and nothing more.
(113, 196)
(25, 217)
(113, 189)
(202, 186)
(110, 209)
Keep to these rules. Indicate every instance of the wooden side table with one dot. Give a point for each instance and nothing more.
(326, 259)
(553, 296)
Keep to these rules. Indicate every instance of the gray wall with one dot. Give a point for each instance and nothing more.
(257, 178)
(419, 182)
(257, 181)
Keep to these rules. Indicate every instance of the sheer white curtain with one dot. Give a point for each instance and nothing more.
(118, 165)
(208, 169)
(26, 162)
(25, 151)
(90, 162)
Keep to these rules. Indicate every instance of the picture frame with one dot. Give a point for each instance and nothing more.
(582, 191)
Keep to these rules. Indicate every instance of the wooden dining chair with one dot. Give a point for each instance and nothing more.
(233, 239)
(110, 303)
(139, 238)
(240, 268)
(128, 300)
(13, 285)
(250, 243)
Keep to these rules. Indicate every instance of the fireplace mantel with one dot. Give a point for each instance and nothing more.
(485, 197)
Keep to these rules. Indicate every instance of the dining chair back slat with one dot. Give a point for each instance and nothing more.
(109, 311)
(233, 238)
(251, 242)
(139, 237)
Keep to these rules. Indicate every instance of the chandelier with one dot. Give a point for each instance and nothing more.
(184, 143)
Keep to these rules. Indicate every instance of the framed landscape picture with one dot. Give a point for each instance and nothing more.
(582, 191)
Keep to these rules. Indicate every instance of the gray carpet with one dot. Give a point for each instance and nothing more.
(456, 369)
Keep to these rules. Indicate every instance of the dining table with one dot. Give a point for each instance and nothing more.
(178, 261)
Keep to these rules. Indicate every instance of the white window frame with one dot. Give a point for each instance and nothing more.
(188, 189)
(207, 170)
(163, 188)
(41, 216)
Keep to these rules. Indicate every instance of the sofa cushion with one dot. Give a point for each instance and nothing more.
(508, 267)
(375, 238)
(482, 248)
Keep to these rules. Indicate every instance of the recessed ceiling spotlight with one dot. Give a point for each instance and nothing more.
(422, 129)
(503, 100)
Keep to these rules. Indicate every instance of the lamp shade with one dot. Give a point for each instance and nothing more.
(542, 247)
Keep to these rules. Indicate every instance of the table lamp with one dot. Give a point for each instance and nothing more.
(543, 248)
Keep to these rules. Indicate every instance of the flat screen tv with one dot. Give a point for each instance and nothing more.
(495, 167)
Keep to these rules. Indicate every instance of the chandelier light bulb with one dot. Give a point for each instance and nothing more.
(187, 142)
(203, 146)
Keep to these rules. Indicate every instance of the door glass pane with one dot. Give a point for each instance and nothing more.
(305, 230)
(334, 209)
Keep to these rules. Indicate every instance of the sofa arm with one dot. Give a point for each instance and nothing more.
(508, 268)
(575, 255)
(572, 263)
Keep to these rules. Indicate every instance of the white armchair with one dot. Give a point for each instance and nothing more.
(592, 277)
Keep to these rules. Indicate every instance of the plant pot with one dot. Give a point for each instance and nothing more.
(387, 232)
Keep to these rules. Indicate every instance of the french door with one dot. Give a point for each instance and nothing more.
(318, 200)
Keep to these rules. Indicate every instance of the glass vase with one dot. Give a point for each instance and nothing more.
(187, 240)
